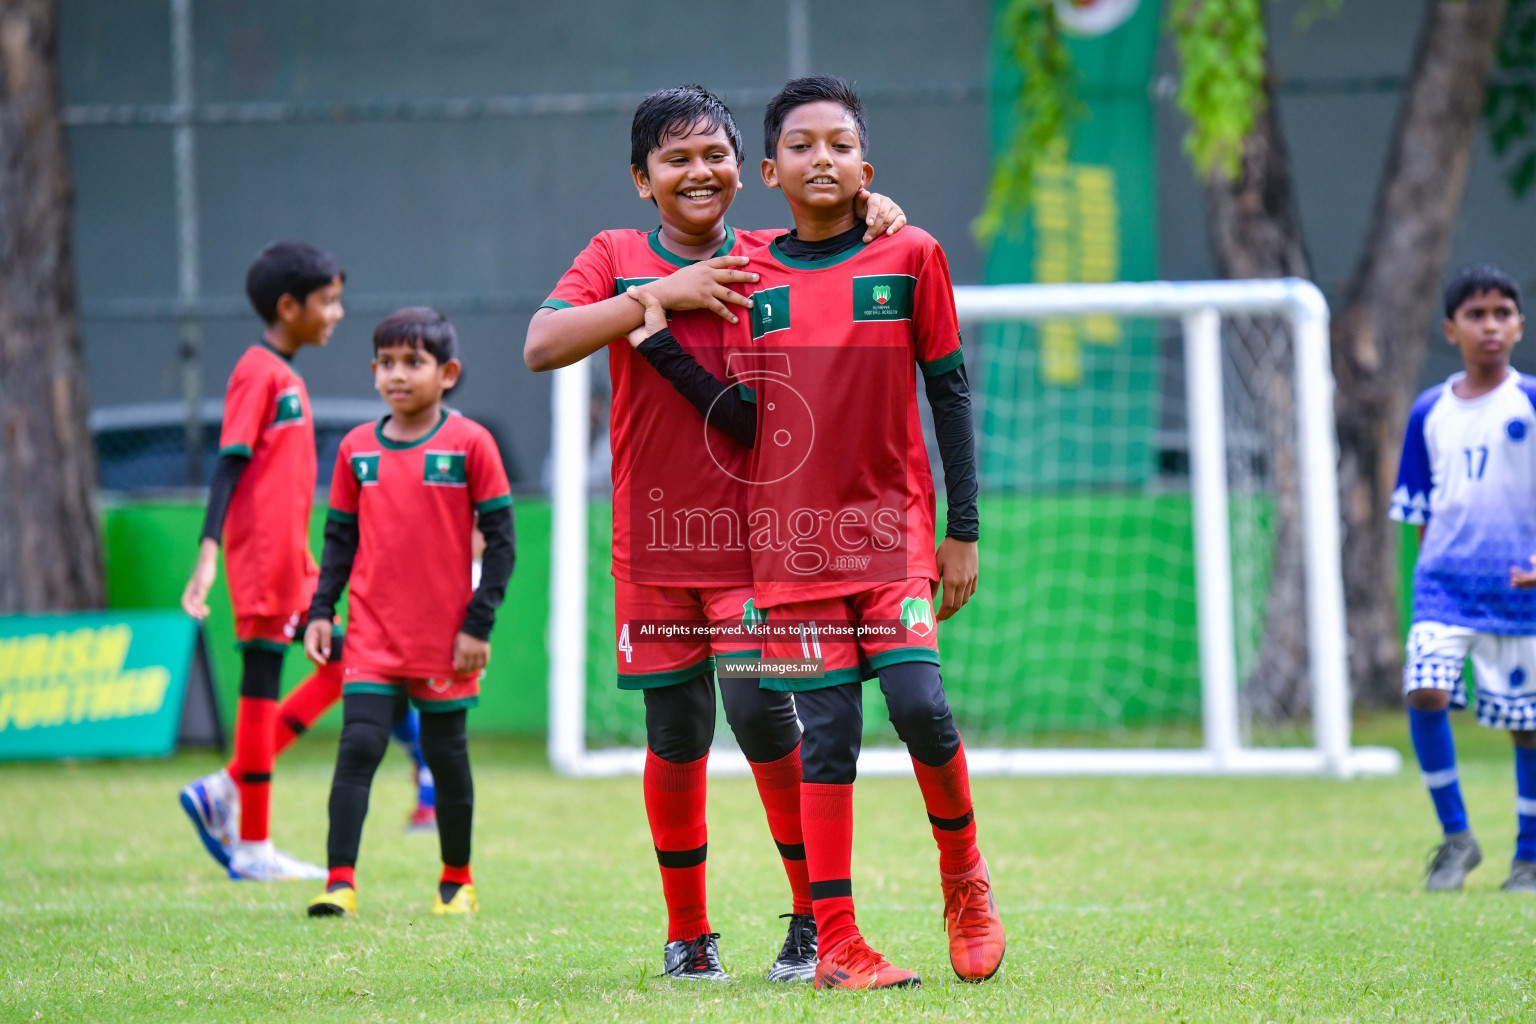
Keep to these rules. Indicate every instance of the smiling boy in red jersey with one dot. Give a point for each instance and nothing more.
(405, 499)
(258, 505)
(668, 563)
(843, 523)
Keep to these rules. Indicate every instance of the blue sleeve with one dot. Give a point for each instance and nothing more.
(1410, 499)
(1528, 388)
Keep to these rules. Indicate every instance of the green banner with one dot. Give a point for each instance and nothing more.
(1074, 401)
(108, 684)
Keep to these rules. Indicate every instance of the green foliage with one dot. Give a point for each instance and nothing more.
(1221, 46)
(1510, 106)
(1046, 107)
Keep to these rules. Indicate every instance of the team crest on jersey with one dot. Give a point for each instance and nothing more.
(365, 467)
(770, 311)
(883, 297)
(752, 620)
(917, 615)
(290, 408)
(1516, 430)
(445, 469)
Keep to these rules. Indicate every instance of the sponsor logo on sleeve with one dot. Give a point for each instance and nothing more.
(290, 408)
(770, 311)
(365, 467)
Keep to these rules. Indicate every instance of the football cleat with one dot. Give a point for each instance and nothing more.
(854, 965)
(338, 901)
(976, 940)
(212, 803)
(423, 819)
(263, 862)
(463, 901)
(1522, 877)
(797, 960)
(695, 959)
(1451, 862)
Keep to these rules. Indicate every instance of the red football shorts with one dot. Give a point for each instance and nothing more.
(855, 634)
(451, 693)
(277, 630)
(667, 635)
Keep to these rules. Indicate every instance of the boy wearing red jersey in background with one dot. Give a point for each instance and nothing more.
(843, 507)
(679, 556)
(258, 504)
(405, 499)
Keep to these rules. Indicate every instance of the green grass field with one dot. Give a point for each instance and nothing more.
(1219, 900)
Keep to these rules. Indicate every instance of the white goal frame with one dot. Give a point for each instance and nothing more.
(1199, 305)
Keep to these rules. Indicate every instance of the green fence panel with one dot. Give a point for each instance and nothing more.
(151, 547)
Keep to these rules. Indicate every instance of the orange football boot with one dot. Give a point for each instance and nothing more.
(855, 965)
(976, 941)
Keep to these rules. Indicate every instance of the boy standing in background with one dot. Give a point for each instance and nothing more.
(405, 499)
(1468, 481)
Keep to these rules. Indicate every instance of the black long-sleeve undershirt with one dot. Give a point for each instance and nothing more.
(336, 559)
(495, 570)
(341, 541)
(949, 396)
(221, 489)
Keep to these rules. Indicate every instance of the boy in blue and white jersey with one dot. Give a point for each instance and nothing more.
(1468, 481)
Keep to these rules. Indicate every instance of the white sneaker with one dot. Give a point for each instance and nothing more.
(262, 862)
(213, 805)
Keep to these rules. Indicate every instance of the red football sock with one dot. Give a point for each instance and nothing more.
(778, 783)
(303, 707)
(456, 876)
(947, 797)
(255, 725)
(674, 804)
(346, 875)
(826, 812)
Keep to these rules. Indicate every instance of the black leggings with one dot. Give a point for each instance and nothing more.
(680, 719)
(834, 722)
(366, 721)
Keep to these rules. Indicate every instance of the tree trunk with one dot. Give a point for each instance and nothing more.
(50, 546)
(1380, 338)
(1256, 232)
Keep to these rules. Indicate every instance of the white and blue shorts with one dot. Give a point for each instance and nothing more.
(1504, 670)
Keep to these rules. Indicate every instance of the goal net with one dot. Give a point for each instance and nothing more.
(1160, 585)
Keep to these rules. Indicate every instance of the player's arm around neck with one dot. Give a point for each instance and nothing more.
(560, 337)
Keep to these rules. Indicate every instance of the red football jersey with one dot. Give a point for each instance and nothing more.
(414, 505)
(842, 496)
(679, 497)
(266, 531)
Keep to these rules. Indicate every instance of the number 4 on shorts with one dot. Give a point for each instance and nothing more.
(624, 644)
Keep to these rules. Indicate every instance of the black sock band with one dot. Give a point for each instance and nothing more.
(831, 889)
(951, 824)
(790, 851)
(682, 858)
